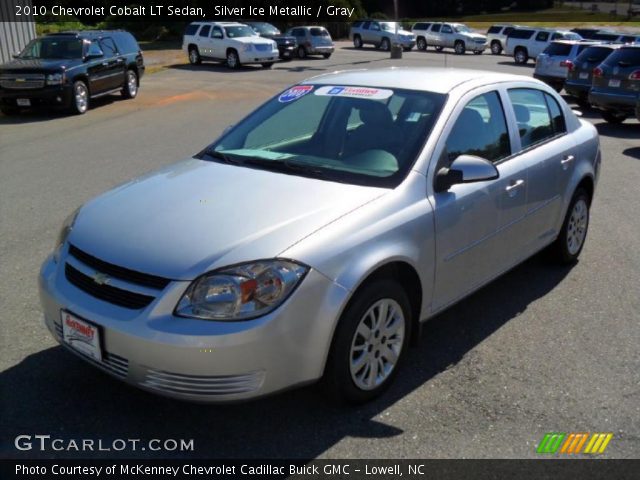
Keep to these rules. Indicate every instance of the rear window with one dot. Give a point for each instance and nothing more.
(319, 32)
(521, 34)
(593, 55)
(126, 42)
(494, 29)
(627, 57)
(421, 26)
(558, 49)
(191, 29)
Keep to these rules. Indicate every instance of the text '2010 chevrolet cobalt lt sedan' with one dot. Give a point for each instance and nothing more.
(310, 240)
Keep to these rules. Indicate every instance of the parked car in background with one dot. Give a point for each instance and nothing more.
(497, 37)
(616, 37)
(615, 90)
(552, 65)
(524, 43)
(588, 33)
(234, 43)
(312, 41)
(419, 29)
(312, 239)
(67, 70)
(381, 34)
(287, 45)
(580, 71)
(457, 36)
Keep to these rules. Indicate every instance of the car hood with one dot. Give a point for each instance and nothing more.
(475, 36)
(404, 32)
(254, 40)
(196, 215)
(38, 65)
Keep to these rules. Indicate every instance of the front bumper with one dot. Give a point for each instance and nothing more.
(478, 47)
(321, 50)
(256, 56)
(201, 360)
(608, 99)
(51, 96)
(286, 52)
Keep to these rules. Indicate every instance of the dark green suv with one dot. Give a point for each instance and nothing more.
(67, 70)
(615, 90)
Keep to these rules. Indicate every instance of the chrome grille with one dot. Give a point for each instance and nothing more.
(202, 384)
(18, 81)
(263, 47)
(112, 363)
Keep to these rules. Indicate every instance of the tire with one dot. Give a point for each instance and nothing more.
(496, 48)
(233, 61)
(357, 41)
(9, 111)
(267, 65)
(79, 98)
(439, 48)
(459, 48)
(130, 89)
(302, 52)
(345, 380)
(613, 116)
(194, 56)
(568, 245)
(421, 43)
(520, 56)
(385, 44)
(326, 55)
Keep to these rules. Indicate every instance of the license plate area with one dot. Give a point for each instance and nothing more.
(81, 335)
(614, 82)
(23, 102)
(584, 75)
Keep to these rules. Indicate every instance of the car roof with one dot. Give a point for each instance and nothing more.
(428, 79)
(84, 33)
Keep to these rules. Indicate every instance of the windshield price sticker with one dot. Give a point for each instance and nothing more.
(295, 93)
(355, 92)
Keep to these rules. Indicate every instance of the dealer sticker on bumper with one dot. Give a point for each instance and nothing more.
(81, 335)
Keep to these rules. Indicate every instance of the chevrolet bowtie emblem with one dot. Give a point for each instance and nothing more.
(100, 278)
(21, 79)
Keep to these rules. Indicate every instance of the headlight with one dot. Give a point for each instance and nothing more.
(241, 292)
(66, 228)
(247, 47)
(55, 79)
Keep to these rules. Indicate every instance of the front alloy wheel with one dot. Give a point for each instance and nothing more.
(233, 61)
(357, 41)
(302, 52)
(194, 56)
(385, 45)
(80, 99)
(569, 243)
(459, 48)
(369, 342)
(520, 56)
(496, 48)
(422, 44)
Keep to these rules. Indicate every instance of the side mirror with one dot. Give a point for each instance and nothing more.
(15, 55)
(465, 169)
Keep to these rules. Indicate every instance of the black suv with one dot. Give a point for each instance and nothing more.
(69, 69)
(616, 84)
(287, 45)
(580, 71)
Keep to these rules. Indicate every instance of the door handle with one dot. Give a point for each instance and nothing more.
(512, 189)
(105, 64)
(566, 160)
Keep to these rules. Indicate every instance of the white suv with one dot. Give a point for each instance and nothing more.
(230, 42)
(525, 43)
(452, 35)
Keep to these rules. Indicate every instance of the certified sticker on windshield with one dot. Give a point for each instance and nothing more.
(294, 93)
(355, 92)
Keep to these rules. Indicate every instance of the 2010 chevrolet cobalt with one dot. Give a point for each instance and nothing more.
(310, 240)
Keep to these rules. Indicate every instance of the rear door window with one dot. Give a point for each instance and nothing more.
(436, 27)
(204, 31)
(521, 34)
(447, 29)
(533, 118)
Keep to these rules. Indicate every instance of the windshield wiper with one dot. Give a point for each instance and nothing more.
(221, 156)
(286, 166)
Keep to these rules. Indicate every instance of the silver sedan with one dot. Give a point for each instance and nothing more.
(311, 240)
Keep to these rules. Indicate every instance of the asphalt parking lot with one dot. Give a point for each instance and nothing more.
(541, 349)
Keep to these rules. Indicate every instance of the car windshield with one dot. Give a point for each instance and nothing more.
(265, 28)
(239, 31)
(352, 134)
(53, 48)
(389, 26)
(571, 36)
(462, 29)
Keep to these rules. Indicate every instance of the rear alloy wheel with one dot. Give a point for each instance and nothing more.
(496, 48)
(233, 62)
(459, 48)
(302, 52)
(520, 56)
(194, 56)
(357, 41)
(569, 243)
(130, 89)
(385, 45)
(80, 98)
(421, 44)
(613, 116)
(369, 343)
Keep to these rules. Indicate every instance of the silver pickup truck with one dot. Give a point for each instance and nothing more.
(450, 35)
(381, 34)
